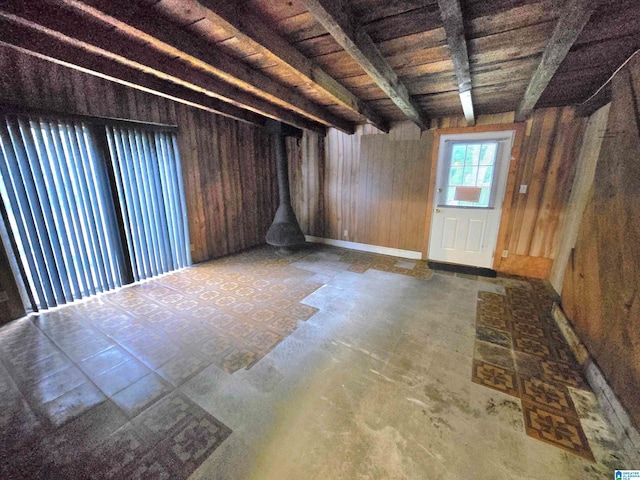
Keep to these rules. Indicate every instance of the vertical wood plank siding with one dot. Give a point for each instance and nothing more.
(376, 186)
(600, 289)
(228, 166)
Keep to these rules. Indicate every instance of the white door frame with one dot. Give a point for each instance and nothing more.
(502, 241)
(483, 252)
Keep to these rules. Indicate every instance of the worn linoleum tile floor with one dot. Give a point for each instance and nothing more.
(321, 363)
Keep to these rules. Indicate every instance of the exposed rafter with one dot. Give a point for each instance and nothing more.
(252, 30)
(335, 17)
(39, 46)
(451, 14)
(574, 16)
(127, 20)
(148, 63)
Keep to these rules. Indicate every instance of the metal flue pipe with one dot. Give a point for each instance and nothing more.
(285, 230)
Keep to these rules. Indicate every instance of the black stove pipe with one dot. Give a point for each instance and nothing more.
(285, 230)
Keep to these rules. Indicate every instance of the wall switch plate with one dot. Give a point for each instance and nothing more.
(505, 253)
(523, 188)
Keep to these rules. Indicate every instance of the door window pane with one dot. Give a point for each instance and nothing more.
(469, 182)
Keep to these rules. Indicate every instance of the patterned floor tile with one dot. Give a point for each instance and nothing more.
(526, 315)
(243, 329)
(544, 364)
(529, 330)
(564, 354)
(239, 358)
(283, 322)
(130, 349)
(181, 369)
(493, 354)
(301, 312)
(358, 268)
(243, 308)
(493, 320)
(531, 346)
(119, 452)
(559, 430)
(562, 373)
(528, 365)
(19, 422)
(498, 378)
(491, 335)
(216, 347)
(194, 335)
(263, 342)
(546, 395)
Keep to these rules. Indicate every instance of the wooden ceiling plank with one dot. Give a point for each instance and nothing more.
(334, 16)
(33, 45)
(174, 42)
(92, 56)
(574, 17)
(252, 30)
(451, 14)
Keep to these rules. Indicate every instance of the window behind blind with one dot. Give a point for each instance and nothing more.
(86, 219)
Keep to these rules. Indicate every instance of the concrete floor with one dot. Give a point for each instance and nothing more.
(376, 385)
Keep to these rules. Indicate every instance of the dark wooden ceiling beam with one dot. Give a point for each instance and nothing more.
(336, 19)
(30, 43)
(253, 31)
(130, 20)
(451, 14)
(574, 16)
(57, 46)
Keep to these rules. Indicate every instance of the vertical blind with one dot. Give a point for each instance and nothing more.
(146, 166)
(67, 221)
(56, 194)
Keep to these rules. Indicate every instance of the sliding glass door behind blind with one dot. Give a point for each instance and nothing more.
(61, 209)
(146, 166)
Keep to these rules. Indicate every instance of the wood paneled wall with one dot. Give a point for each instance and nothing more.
(600, 293)
(376, 186)
(228, 166)
(371, 186)
(585, 171)
(547, 167)
(392, 182)
(306, 167)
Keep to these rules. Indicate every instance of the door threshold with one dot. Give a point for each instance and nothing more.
(466, 269)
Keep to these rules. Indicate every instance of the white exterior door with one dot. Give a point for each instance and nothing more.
(470, 185)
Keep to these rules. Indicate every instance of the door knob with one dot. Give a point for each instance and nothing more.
(439, 190)
(437, 210)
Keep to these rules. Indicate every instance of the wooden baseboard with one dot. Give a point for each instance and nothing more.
(364, 247)
(608, 400)
(535, 267)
